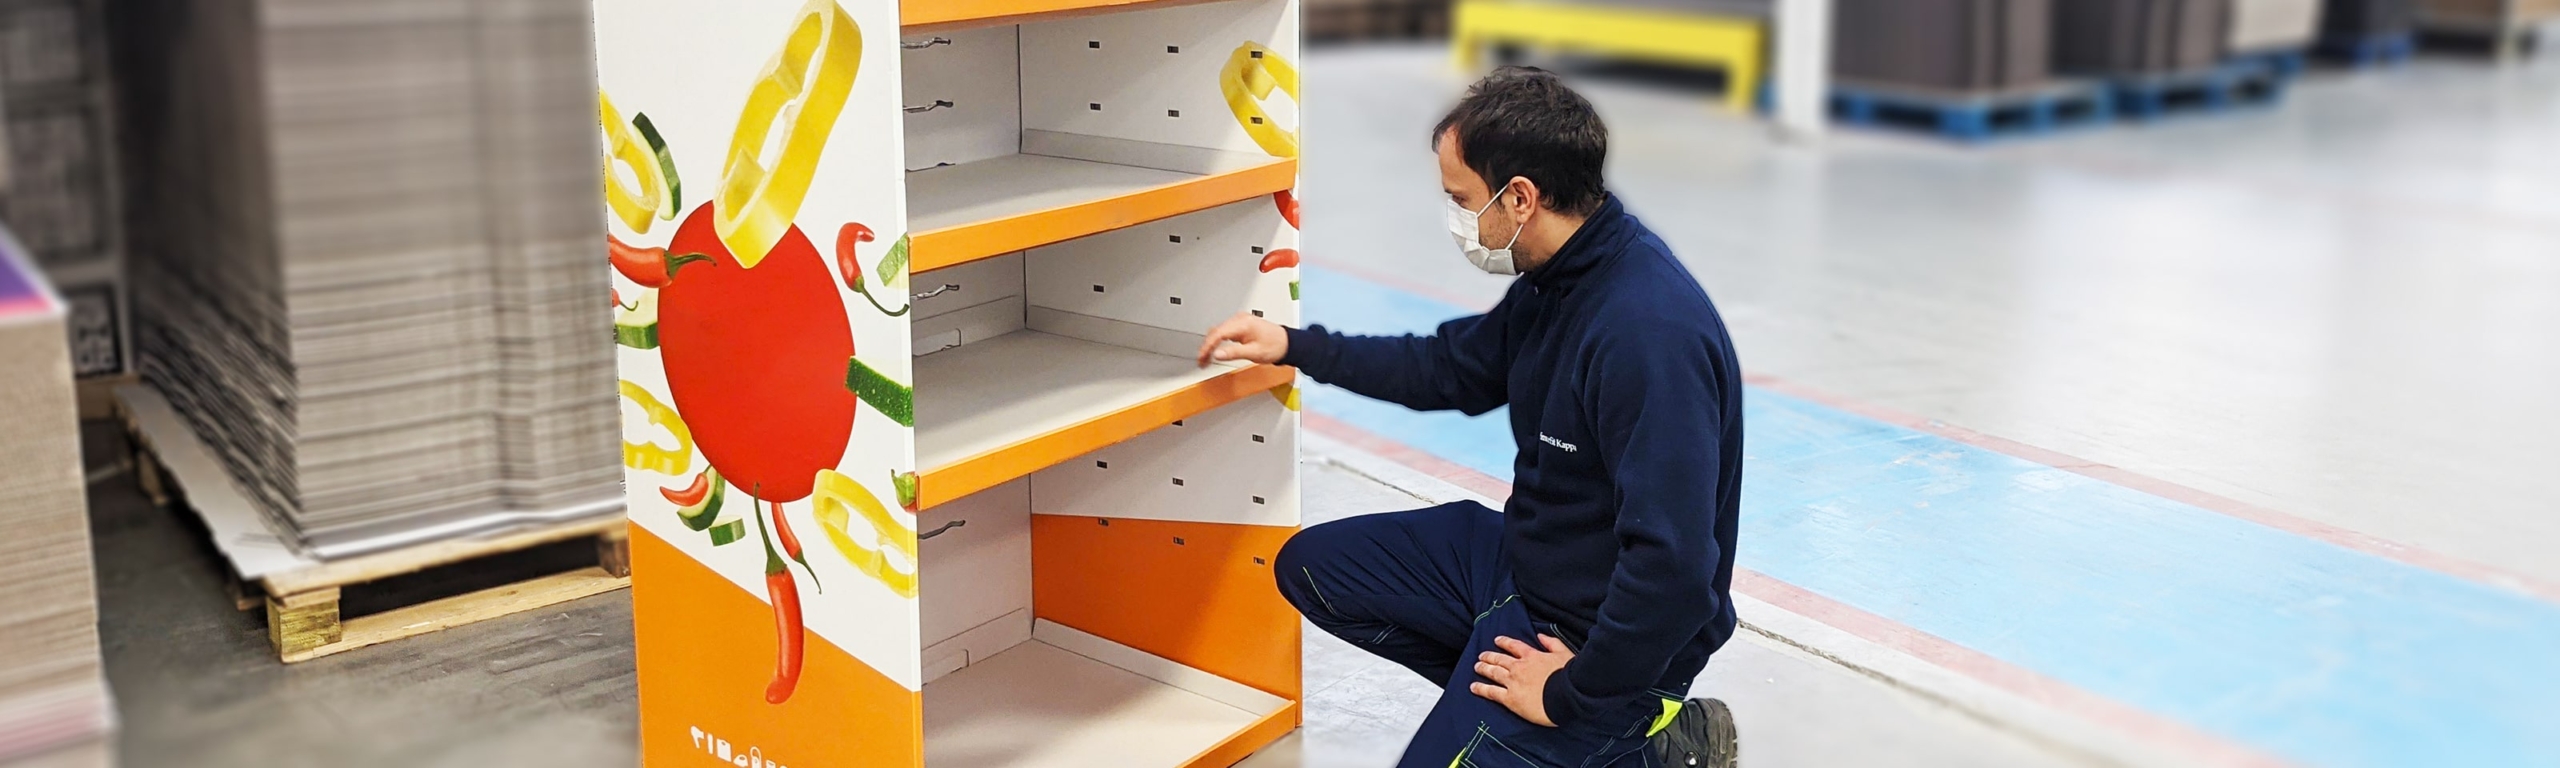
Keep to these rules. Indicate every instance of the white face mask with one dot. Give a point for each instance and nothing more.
(1462, 227)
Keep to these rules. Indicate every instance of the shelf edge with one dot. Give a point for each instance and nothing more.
(950, 15)
(1021, 458)
(963, 243)
(1250, 740)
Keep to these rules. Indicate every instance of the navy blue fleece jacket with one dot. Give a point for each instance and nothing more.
(1626, 410)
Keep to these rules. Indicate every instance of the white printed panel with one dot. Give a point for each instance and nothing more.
(1185, 273)
(963, 96)
(978, 567)
(1154, 75)
(1237, 464)
(700, 72)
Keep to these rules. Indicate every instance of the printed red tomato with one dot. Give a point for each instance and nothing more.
(755, 360)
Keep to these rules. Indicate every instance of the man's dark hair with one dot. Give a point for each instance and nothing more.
(1523, 121)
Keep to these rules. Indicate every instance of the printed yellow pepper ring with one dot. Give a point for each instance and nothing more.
(837, 499)
(1251, 73)
(652, 456)
(802, 89)
(637, 208)
(1287, 394)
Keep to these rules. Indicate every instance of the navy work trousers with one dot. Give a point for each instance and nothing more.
(1430, 589)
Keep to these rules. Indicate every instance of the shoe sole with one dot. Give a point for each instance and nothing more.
(1708, 723)
(1720, 731)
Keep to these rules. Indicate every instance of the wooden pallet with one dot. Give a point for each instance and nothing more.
(302, 600)
(302, 607)
(2234, 83)
(1973, 117)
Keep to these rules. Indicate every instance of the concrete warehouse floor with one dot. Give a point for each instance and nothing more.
(198, 685)
(2341, 308)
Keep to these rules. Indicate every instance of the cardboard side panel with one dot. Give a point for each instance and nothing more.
(1197, 593)
(1183, 274)
(965, 88)
(756, 217)
(977, 569)
(1162, 76)
(1236, 464)
(706, 655)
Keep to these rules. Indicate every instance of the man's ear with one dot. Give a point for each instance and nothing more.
(1525, 196)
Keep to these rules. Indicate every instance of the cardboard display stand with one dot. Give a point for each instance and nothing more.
(920, 468)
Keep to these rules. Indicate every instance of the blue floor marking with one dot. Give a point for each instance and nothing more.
(2287, 644)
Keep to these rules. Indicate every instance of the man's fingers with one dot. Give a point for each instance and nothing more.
(1487, 691)
(1515, 647)
(1494, 672)
(1553, 645)
(1222, 333)
(1208, 346)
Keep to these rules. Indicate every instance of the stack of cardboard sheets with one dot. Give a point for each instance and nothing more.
(2273, 25)
(58, 174)
(2345, 22)
(2139, 37)
(374, 284)
(52, 697)
(1946, 46)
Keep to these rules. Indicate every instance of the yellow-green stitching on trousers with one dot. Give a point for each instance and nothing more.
(1670, 709)
(1311, 586)
(1469, 749)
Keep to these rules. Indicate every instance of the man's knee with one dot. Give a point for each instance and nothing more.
(1304, 561)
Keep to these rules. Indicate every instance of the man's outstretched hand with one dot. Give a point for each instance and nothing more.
(1519, 674)
(1244, 337)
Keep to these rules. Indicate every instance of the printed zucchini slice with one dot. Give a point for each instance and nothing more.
(637, 327)
(699, 516)
(729, 532)
(892, 399)
(674, 201)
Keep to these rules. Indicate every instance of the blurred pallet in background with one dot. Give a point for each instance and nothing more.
(2507, 28)
(1332, 21)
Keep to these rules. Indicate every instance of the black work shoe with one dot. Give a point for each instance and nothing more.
(1700, 736)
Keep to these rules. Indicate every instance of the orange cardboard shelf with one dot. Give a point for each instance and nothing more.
(993, 207)
(1003, 408)
(940, 15)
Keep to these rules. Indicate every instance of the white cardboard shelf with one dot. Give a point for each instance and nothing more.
(1012, 185)
(986, 395)
(1066, 698)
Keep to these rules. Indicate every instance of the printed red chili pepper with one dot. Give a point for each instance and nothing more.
(650, 267)
(786, 626)
(1287, 201)
(846, 237)
(1280, 258)
(788, 631)
(791, 543)
(692, 494)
